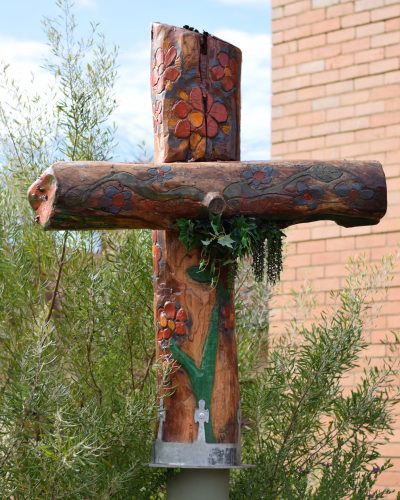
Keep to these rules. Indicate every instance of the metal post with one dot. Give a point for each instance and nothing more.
(199, 484)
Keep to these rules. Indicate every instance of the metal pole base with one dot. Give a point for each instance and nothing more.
(199, 484)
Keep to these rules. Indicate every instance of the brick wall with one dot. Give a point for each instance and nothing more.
(336, 95)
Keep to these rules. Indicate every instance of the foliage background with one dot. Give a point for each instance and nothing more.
(77, 379)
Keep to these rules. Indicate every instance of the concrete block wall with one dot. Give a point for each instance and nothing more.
(336, 95)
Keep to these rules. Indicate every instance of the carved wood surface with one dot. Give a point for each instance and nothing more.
(195, 88)
(82, 195)
(196, 345)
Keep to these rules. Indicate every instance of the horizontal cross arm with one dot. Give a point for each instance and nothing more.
(90, 195)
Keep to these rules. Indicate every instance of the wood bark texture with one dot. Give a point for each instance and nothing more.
(195, 88)
(126, 195)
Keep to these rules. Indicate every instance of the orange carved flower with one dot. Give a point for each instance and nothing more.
(171, 320)
(164, 68)
(195, 123)
(226, 72)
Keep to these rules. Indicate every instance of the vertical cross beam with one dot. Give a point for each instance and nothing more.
(195, 83)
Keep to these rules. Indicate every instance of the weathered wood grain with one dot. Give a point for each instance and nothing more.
(81, 195)
(196, 345)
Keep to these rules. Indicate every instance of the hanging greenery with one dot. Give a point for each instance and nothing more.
(224, 241)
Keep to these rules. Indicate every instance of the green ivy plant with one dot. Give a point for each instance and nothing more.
(224, 241)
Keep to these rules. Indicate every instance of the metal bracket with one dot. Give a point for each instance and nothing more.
(161, 419)
(201, 416)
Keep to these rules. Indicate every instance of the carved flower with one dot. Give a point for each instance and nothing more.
(308, 196)
(171, 320)
(226, 72)
(160, 174)
(195, 123)
(157, 115)
(115, 199)
(354, 191)
(258, 177)
(164, 68)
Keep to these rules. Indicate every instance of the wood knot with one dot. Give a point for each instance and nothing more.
(214, 202)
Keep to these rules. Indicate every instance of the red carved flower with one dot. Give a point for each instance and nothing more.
(157, 115)
(164, 68)
(226, 72)
(195, 123)
(171, 319)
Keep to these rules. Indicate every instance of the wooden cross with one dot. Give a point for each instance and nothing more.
(195, 84)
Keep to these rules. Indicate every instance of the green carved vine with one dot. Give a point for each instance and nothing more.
(223, 241)
(202, 377)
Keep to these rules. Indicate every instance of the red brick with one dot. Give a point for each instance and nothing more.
(325, 128)
(277, 62)
(369, 108)
(355, 19)
(297, 33)
(286, 72)
(340, 10)
(311, 67)
(392, 24)
(355, 97)
(310, 144)
(386, 13)
(356, 45)
(325, 102)
(355, 71)
(387, 118)
(392, 50)
(370, 241)
(310, 247)
(312, 41)
(369, 55)
(284, 97)
(311, 93)
(325, 77)
(332, 24)
(324, 258)
(297, 7)
(285, 122)
(361, 5)
(386, 92)
(338, 139)
(296, 133)
(284, 23)
(390, 38)
(311, 118)
(340, 61)
(297, 108)
(338, 244)
(340, 113)
(384, 66)
(311, 16)
(392, 77)
(291, 83)
(354, 123)
(369, 82)
(370, 29)
(341, 35)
